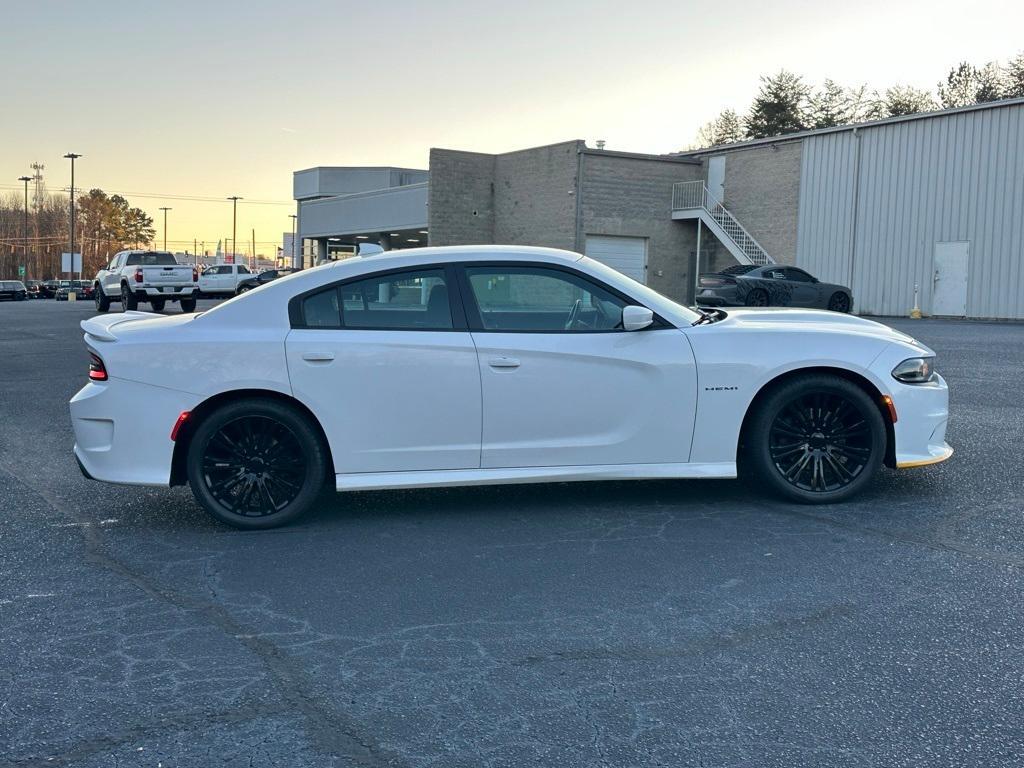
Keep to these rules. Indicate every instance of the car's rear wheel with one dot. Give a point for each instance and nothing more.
(101, 300)
(757, 298)
(188, 305)
(840, 302)
(815, 439)
(128, 300)
(157, 305)
(256, 464)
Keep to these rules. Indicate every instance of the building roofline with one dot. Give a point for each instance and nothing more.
(361, 168)
(673, 158)
(786, 137)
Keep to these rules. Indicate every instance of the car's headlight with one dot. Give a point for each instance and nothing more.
(916, 370)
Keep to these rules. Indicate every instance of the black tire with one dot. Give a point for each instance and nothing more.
(100, 299)
(242, 289)
(188, 305)
(256, 464)
(157, 305)
(819, 424)
(128, 300)
(839, 302)
(757, 298)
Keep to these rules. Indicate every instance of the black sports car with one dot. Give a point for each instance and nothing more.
(770, 286)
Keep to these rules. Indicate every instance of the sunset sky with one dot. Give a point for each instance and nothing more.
(216, 98)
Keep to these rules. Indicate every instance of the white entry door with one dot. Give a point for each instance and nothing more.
(628, 255)
(949, 292)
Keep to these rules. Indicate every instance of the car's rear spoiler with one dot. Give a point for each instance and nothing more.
(101, 327)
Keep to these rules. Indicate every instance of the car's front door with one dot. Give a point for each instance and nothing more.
(563, 384)
(387, 365)
(805, 290)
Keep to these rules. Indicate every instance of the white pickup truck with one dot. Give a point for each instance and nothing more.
(133, 277)
(223, 279)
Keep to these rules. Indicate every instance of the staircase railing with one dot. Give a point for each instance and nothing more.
(695, 195)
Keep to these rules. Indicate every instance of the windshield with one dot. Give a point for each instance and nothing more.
(151, 259)
(649, 297)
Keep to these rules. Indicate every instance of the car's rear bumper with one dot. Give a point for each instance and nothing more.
(123, 431)
(168, 291)
(718, 297)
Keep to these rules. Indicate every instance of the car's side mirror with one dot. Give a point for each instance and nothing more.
(636, 318)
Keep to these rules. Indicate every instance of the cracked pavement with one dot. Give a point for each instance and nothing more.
(610, 624)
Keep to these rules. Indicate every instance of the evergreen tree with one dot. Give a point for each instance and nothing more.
(1014, 85)
(780, 106)
(724, 129)
(907, 100)
(960, 87)
(829, 106)
(991, 85)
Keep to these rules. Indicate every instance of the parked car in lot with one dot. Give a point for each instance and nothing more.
(771, 286)
(138, 276)
(48, 289)
(82, 289)
(34, 288)
(223, 279)
(264, 277)
(13, 290)
(61, 290)
(488, 364)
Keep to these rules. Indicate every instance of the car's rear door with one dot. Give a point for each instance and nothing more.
(387, 365)
(563, 384)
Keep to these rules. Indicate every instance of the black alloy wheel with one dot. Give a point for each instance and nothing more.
(816, 439)
(256, 464)
(839, 302)
(757, 298)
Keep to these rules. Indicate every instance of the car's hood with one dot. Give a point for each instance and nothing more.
(813, 320)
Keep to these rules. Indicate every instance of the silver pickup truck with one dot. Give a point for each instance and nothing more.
(133, 277)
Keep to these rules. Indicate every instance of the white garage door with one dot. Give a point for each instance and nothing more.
(626, 254)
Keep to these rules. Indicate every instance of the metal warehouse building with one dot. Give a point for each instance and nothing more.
(934, 200)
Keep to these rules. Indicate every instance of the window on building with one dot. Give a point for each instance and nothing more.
(525, 299)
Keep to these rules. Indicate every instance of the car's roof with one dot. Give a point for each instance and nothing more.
(464, 252)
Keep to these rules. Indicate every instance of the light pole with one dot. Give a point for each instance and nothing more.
(24, 231)
(72, 156)
(294, 216)
(165, 210)
(234, 224)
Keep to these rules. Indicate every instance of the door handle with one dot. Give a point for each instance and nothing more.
(318, 357)
(503, 362)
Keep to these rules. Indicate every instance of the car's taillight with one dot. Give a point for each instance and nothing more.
(138, 275)
(97, 370)
(195, 275)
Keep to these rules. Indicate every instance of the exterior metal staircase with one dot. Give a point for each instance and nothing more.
(693, 200)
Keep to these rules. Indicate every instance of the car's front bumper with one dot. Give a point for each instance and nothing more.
(922, 413)
(123, 430)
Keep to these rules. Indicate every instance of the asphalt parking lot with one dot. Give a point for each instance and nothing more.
(648, 624)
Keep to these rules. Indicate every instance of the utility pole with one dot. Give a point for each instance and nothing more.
(24, 230)
(252, 261)
(165, 210)
(234, 225)
(72, 157)
(294, 216)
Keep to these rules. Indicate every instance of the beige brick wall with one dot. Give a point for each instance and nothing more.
(534, 196)
(629, 196)
(460, 204)
(762, 190)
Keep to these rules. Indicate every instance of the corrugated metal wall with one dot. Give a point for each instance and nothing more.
(874, 204)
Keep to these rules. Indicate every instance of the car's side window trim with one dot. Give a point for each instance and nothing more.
(455, 302)
(472, 309)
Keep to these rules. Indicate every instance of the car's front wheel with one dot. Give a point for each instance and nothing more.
(815, 439)
(839, 302)
(256, 464)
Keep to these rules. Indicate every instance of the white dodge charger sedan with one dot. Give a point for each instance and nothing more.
(493, 364)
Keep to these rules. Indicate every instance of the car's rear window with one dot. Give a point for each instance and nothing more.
(150, 260)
